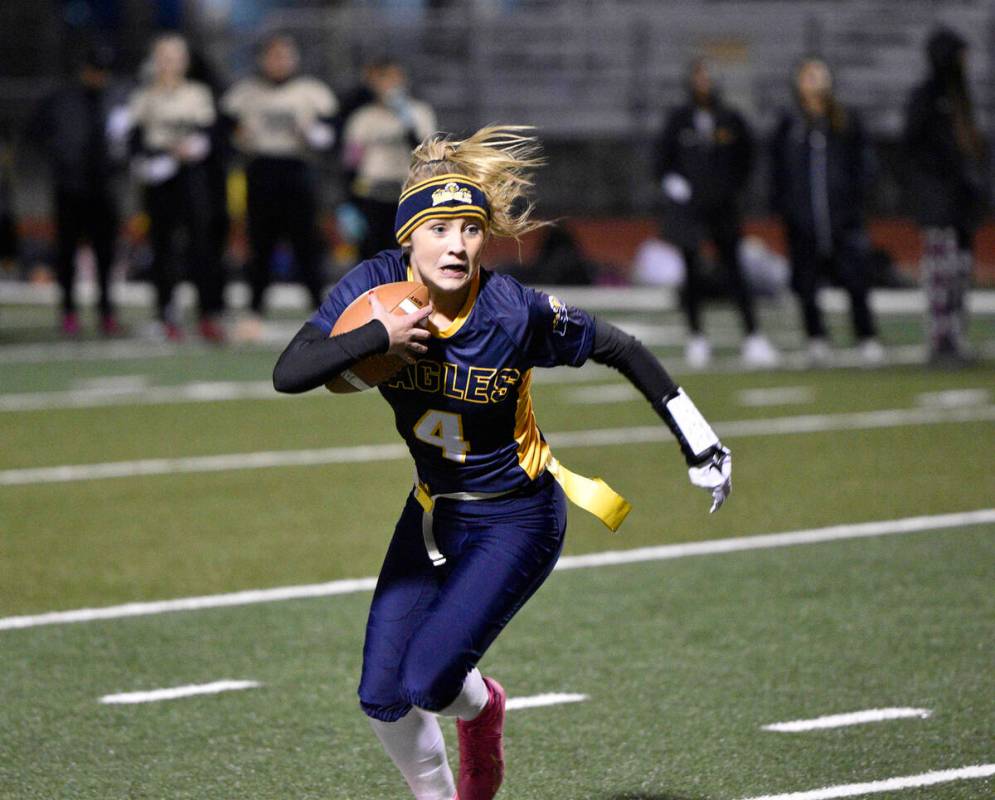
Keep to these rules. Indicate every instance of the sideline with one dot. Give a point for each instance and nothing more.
(603, 559)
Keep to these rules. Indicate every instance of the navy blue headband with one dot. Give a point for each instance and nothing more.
(440, 197)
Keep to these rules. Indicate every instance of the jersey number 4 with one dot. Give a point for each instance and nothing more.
(445, 430)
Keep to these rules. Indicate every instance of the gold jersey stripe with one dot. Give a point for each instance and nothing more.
(533, 452)
(442, 179)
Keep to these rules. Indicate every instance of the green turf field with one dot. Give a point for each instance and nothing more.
(682, 660)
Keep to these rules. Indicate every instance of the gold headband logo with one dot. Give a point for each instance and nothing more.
(451, 191)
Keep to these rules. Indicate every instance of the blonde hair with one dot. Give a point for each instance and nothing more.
(501, 159)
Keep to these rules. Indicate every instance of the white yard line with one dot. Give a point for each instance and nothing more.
(605, 437)
(109, 394)
(887, 785)
(109, 384)
(845, 720)
(176, 692)
(42, 353)
(245, 598)
(954, 398)
(601, 394)
(539, 700)
(609, 558)
(775, 396)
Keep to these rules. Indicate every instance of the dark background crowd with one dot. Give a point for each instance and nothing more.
(264, 140)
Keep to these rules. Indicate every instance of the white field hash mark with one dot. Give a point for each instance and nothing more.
(887, 785)
(176, 692)
(552, 699)
(852, 718)
(611, 557)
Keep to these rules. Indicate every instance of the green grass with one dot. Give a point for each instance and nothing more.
(683, 660)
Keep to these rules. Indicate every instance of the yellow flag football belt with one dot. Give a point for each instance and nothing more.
(591, 494)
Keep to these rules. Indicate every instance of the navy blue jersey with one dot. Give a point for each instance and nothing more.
(465, 408)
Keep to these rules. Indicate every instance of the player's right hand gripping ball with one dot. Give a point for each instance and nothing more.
(403, 297)
(715, 474)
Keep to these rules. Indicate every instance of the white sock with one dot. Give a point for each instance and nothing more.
(415, 745)
(472, 698)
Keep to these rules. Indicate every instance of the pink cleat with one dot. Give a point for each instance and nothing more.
(109, 326)
(481, 754)
(211, 330)
(70, 325)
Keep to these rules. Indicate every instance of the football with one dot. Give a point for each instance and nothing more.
(403, 297)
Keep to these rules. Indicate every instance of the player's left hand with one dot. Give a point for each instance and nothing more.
(715, 474)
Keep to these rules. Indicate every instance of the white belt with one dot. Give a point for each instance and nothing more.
(593, 495)
(427, 502)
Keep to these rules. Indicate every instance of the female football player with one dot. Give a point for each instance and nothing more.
(484, 525)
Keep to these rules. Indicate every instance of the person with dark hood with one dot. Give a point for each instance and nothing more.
(281, 119)
(703, 161)
(946, 181)
(72, 127)
(821, 165)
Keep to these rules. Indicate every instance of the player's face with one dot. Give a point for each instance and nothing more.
(701, 82)
(169, 59)
(445, 253)
(814, 80)
(280, 60)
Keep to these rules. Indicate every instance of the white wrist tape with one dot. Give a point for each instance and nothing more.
(696, 431)
(319, 135)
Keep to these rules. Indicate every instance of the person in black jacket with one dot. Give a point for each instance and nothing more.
(703, 161)
(71, 126)
(820, 167)
(947, 185)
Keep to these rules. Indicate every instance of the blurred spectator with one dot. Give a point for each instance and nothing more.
(703, 161)
(280, 119)
(8, 224)
(377, 141)
(73, 128)
(216, 165)
(947, 182)
(560, 261)
(172, 118)
(821, 164)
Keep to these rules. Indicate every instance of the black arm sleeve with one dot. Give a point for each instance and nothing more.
(312, 358)
(617, 349)
(628, 355)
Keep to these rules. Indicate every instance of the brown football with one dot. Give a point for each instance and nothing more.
(403, 297)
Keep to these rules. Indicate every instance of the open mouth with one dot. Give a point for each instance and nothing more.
(454, 270)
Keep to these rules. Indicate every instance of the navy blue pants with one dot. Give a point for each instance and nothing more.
(429, 626)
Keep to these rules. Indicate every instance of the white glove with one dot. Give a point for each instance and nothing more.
(319, 136)
(676, 187)
(714, 475)
(193, 147)
(154, 170)
(119, 124)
